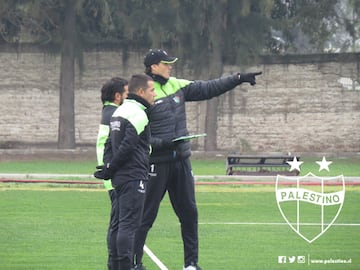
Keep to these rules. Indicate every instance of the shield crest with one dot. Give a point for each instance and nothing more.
(310, 204)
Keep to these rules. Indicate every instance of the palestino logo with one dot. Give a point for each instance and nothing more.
(176, 99)
(310, 204)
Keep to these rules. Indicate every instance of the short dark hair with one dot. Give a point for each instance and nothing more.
(111, 87)
(138, 81)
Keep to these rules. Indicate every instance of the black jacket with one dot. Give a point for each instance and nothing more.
(127, 149)
(168, 115)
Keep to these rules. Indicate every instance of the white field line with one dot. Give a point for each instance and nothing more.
(154, 258)
(276, 224)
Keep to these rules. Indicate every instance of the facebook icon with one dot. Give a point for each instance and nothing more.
(281, 259)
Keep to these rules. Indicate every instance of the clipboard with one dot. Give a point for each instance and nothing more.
(189, 137)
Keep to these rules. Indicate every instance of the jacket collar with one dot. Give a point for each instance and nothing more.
(157, 78)
(109, 103)
(139, 99)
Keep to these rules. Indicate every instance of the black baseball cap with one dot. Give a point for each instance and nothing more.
(155, 56)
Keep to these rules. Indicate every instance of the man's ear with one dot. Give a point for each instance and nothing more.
(140, 92)
(117, 97)
(154, 66)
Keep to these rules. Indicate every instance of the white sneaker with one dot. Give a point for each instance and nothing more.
(190, 267)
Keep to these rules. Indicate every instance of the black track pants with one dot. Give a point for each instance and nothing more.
(112, 230)
(177, 179)
(130, 198)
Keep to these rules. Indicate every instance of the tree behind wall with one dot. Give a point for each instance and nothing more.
(222, 33)
(206, 34)
(212, 34)
(66, 27)
(66, 132)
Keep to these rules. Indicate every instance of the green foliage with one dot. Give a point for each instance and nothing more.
(304, 23)
(233, 29)
(41, 22)
(9, 21)
(242, 29)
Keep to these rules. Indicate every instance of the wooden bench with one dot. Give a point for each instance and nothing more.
(259, 165)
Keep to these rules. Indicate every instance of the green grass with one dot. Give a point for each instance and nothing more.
(45, 226)
(345, 166)
(52, 229)
(49, 166)
(63, 228)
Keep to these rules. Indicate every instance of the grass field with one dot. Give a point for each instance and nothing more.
(345, 166)
(240, 227)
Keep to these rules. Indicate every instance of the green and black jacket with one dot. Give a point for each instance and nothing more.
(103, 133)
(127, 149)
(168, 115)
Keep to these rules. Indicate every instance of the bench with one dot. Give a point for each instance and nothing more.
(259, 165)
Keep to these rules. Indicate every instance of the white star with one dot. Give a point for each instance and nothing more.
(295, 164)
(324, 165)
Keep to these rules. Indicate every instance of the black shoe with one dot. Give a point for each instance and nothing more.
(139, 267)
(192, 266)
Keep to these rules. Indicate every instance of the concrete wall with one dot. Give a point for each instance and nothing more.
(301, 103)
(297, 107)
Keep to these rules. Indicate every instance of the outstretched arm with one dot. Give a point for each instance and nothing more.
(203, 90)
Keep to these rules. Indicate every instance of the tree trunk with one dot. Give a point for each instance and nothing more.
(215, 70)
(66, 134)
(211, 117)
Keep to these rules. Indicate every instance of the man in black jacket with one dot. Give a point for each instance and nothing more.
(170, 168)
(126, 162)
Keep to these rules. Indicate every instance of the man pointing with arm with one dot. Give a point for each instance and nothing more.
(170, 168)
